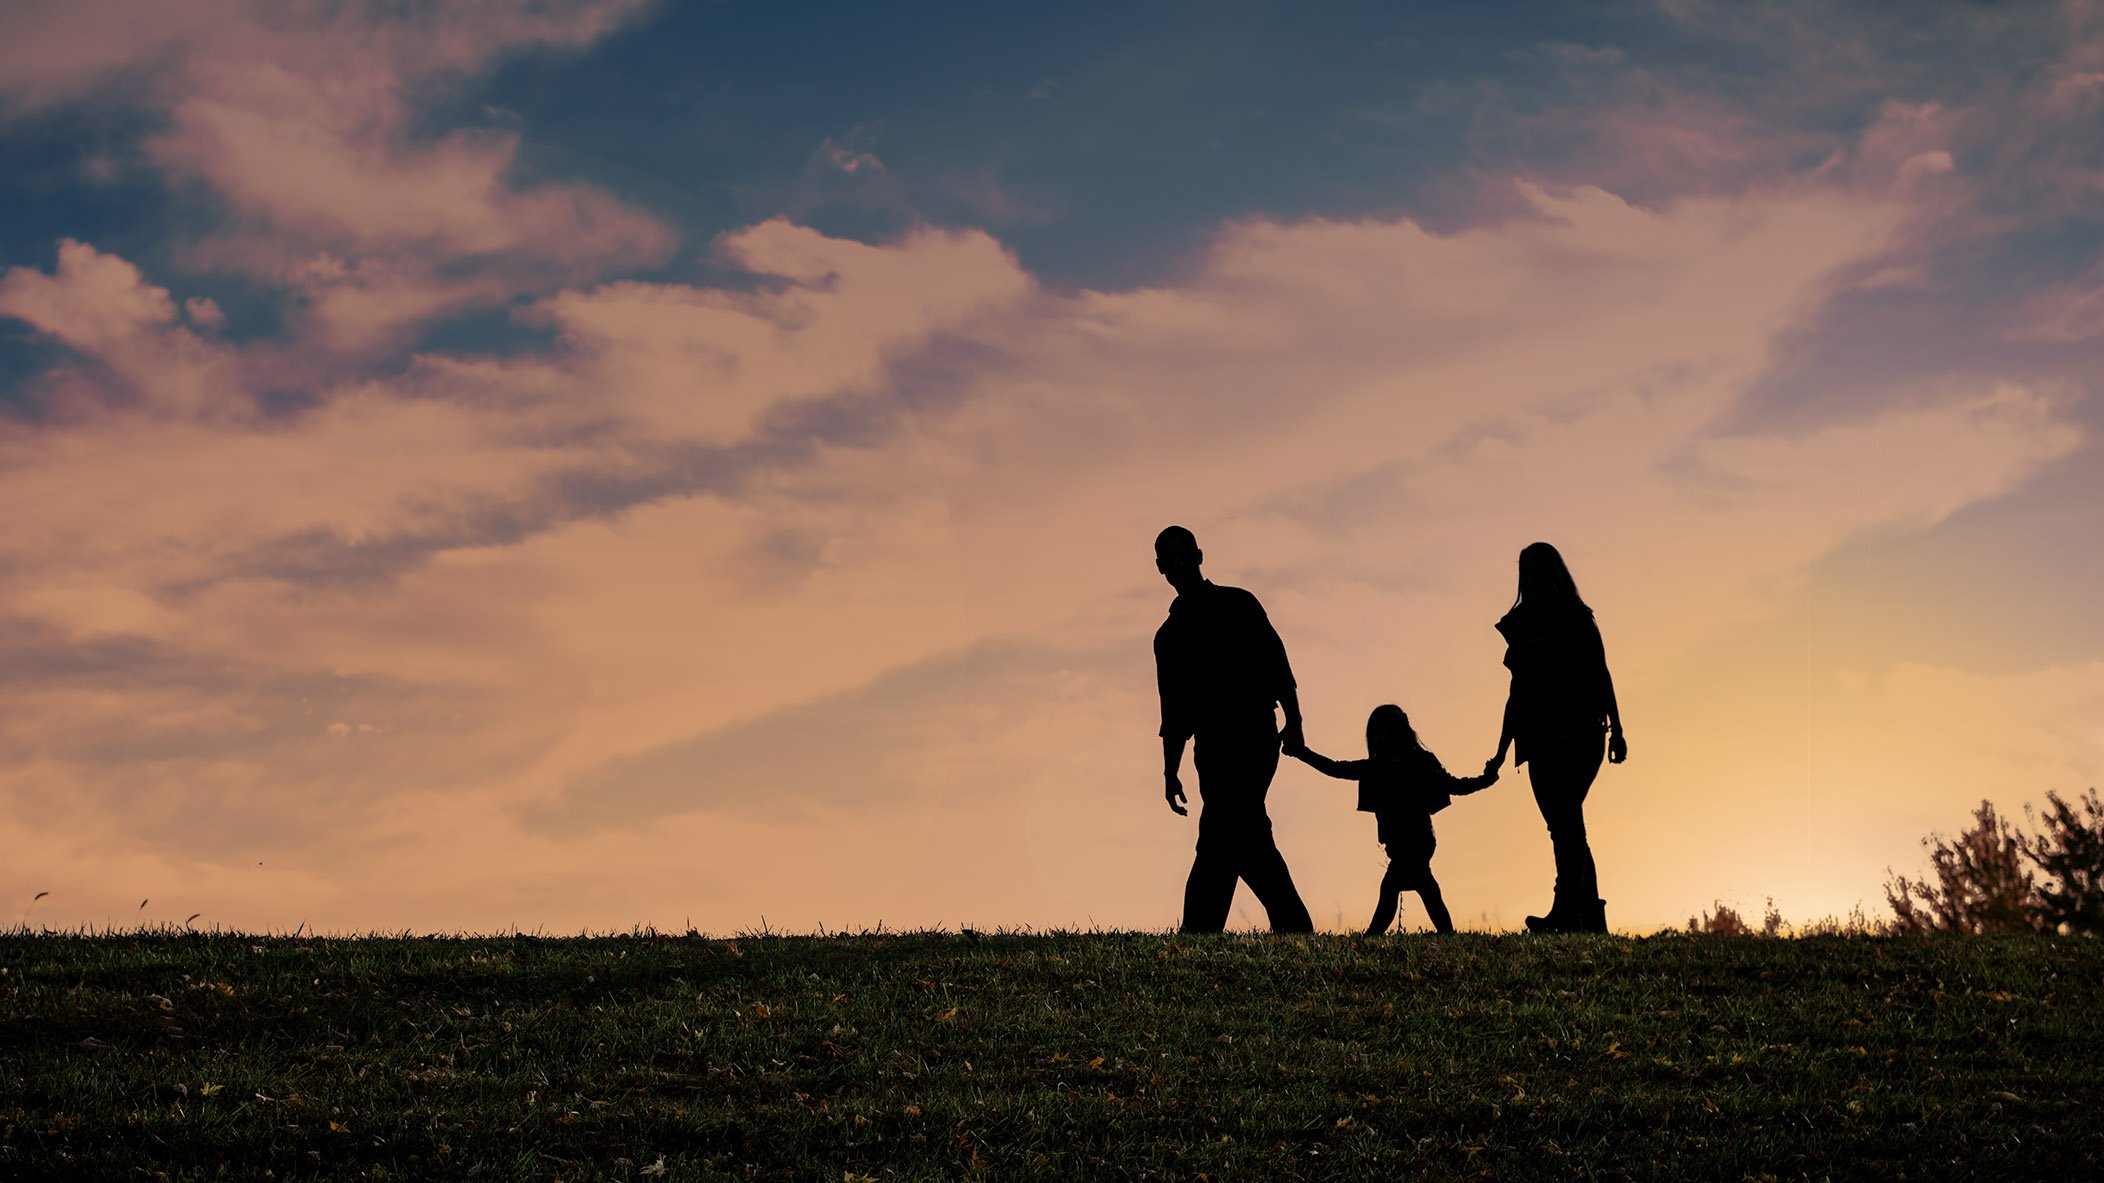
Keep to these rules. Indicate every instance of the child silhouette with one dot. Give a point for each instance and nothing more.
(1402, 785)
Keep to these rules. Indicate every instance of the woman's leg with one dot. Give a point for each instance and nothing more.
(1562, 774)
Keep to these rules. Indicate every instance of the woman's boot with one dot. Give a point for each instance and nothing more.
(1562, 917)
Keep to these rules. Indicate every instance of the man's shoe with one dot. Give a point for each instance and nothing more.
(1595, 917)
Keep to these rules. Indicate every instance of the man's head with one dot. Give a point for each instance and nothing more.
(1177, 557)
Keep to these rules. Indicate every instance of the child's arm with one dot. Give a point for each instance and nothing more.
(1463, 785)
(1341, 769)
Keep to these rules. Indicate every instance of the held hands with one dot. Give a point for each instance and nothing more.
(1172, 790)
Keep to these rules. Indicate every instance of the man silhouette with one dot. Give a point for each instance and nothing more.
(1222, 668)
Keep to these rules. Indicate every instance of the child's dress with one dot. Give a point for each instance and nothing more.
(1402, 793)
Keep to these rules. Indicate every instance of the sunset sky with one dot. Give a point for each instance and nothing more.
(585, 465)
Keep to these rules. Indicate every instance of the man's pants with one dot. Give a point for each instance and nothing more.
(1234, 835)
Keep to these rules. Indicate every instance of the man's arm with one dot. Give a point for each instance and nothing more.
(1176, 727)
(1172, 785)
(1293, 736)
(1272, 650)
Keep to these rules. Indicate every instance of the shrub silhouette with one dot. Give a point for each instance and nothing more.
(1986, 880)
(1723, 920)
(2070, 853)
(1981, 883)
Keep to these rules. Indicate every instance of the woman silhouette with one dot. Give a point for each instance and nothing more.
(1562, 698)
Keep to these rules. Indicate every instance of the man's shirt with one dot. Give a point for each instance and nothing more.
(1218, 662)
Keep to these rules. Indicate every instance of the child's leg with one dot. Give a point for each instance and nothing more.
(1435, 904)
(1384, 913)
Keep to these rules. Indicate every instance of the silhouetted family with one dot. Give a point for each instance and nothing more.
(1225, 680)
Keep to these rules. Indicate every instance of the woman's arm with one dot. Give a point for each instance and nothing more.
(1617, 747)
(1463, 786)
(1491, 766)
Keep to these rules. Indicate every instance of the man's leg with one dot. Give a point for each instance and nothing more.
(1265, 872)
(1243, 767)
(1210, 890)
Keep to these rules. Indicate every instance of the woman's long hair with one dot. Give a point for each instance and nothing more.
(1388, 732)
(1546, 583)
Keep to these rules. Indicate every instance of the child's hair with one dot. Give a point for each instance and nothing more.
(1388, 732)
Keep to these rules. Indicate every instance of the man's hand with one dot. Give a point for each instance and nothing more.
(1617, 748)
(1292, 740)
(1172, 789)
(1491, 766)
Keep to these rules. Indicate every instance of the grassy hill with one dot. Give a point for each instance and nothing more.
(1055, 1057)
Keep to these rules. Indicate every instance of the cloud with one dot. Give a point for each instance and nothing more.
(682, 362)
(103, 308)
(2063, 313)
(93, 302)
(214, 753)
(65, 49)
(840, 157)
(908, 740)
(204, 313)
(1574, 56)
(60, 49)
(304, 121)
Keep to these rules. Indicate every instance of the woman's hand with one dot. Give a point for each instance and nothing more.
(1617, 747)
